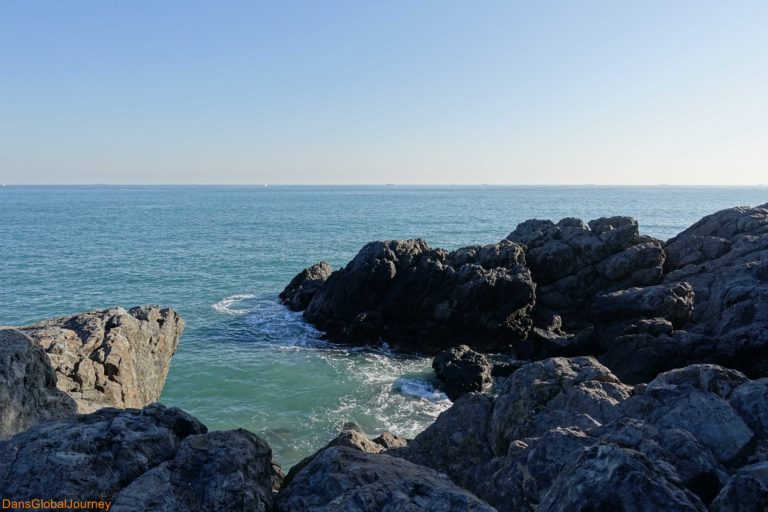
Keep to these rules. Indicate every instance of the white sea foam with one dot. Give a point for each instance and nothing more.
(225, 305)
(419, 388)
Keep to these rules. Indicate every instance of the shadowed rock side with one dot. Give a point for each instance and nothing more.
(422, 299)
(151, 459)
(566, 434)
(341, 478)
(299, 292)
(114, 357)
(461, 370)
(28, 392)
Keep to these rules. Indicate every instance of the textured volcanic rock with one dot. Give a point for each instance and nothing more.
(565, 434)
(724, 257)
(114, 357)
(227, 471)
(461, 370)
(299, 292)
(571, 261)
(155, 458)
(421, 299)
(28, 392)
(341, 478)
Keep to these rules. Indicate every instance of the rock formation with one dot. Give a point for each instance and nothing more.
(422, 299)
(28, 392)
(114, 357)
(461, 370)
(299, 292)
(156, 458)
(566, 434)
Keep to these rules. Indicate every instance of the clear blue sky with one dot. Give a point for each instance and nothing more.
(609, 92)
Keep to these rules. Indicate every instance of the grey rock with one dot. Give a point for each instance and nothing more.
(746, 491)
(110, 358)
(91, 456)
(28, 392)
(421, 299)
(457, 442)
(559, 392)
(696, 399)
(227, 471)
(390, 441)
(724, 257)
(461, 370)
(571, 261)
(299, 292)
(342, 478)
(609, 477)
(673, 302)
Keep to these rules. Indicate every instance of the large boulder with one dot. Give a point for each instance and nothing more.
(421, 299)
(110, 358)
(724, 257)
(92, 456)
(572, 261)
(28, 392)
(299, 292)
(559, 392)
(461, 370)
(227, 471)
(156, 458)
(341, 478)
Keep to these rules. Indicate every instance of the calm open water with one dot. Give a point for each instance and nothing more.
(220, 256)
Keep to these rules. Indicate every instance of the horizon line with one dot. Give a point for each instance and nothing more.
(267, 185)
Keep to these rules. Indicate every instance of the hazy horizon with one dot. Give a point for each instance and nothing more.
(353, 93)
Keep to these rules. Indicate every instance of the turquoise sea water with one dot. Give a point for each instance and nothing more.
(220, 256)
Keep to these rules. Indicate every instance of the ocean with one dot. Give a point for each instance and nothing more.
(220, 255)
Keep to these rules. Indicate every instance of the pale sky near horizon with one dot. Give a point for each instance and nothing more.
(450, 92)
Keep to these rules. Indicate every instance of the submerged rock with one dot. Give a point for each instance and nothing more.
(110, 358)
(461, 370)
(28, 392)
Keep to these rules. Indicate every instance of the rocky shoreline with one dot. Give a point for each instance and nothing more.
(591, 368)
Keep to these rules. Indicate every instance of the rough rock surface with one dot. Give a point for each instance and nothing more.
(28, 392)
(461, 370)
(345, 479)
(724, 257)
(420, 299)
(571, 261)
(228, 471)
(114, 357)
(155, 458)
(299, 292)
(565, 434)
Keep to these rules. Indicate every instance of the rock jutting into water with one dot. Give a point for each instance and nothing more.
(110, 358)
(566, 289)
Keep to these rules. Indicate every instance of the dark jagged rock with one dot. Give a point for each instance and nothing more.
(91, 456)
(421, 299)
(28, 392)
(341, 478)
(571, 261)
(110, 358)
(299, 292)
(565, 434)
(672, 302)
(746, 491)
(227, 471)
(156, 458)
(390, 441)
(724, 257)
(461, 370)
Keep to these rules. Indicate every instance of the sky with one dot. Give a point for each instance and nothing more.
(408, 92)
